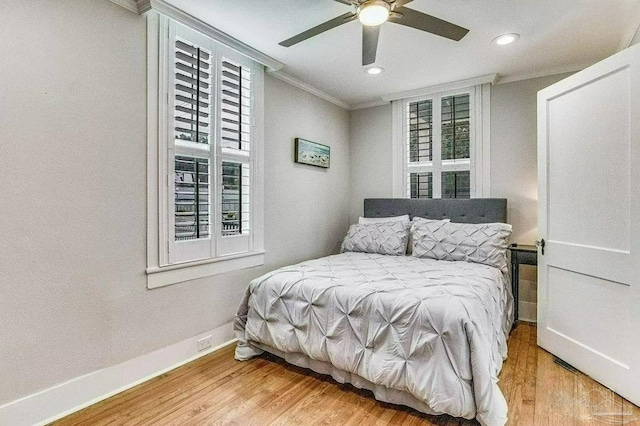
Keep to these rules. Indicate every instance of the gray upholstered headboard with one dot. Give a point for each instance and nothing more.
(475, 210)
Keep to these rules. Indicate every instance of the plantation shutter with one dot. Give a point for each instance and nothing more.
(456, 144)
(211, 96)
(192, 130)
(438, 142)
(420, 140)
(236, 112)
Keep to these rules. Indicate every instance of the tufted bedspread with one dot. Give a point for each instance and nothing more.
(424, 333)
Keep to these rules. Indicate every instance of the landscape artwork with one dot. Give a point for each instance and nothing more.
(312, 153)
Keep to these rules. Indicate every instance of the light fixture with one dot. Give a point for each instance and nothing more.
(506, 39)
(374, 12)
(374, 70)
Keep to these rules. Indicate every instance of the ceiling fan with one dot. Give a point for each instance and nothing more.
(372, 14)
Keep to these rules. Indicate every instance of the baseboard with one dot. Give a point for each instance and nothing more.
(528, 311)
(61, 400)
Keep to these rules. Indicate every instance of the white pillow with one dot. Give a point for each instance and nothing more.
(403, 218)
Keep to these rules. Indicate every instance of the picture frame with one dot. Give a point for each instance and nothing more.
(312, 153)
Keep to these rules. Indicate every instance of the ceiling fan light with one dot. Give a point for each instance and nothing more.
(374, 13)
(506, 39)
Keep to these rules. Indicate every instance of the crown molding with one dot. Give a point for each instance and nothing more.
(161, 6)
(554, 71)
(370, 104)
(130, 5)
(308, 88)
(491, 78)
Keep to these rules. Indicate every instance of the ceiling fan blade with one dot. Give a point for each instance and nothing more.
(347, 2)
(400, 3)
(319, 29)
(431, 24)
(370, 37)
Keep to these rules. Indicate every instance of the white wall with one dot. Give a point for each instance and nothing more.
(72, 143)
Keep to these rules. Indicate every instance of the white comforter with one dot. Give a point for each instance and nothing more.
(435, 330)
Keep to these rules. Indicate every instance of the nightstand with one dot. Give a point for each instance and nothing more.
(520, 255)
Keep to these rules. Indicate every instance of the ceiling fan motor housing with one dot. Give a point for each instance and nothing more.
(373, 12)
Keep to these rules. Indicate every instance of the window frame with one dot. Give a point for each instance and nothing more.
(479, 144)
(226, 254)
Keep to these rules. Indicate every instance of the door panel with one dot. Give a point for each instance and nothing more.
(579, 141)
(589, 215)
(605, 327)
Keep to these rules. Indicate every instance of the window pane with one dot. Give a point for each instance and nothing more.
(192, 92)
(455, 127)
(231, 198)
(420, 185)
(456, 184)
(191, 198)
(420, 120)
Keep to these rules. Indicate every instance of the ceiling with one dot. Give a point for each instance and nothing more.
(556, 36)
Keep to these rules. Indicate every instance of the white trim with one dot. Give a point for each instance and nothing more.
(161, 6)
(308, 88)
(155, 223)
(168, 263)
(546, 73)
(442, 88)
(398, 151)
(484, 174)
(630, 33)
(369, 104)
(181, 272)
(66, 398)
(127, 4)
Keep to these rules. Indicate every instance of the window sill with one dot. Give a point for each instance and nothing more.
(174, 274)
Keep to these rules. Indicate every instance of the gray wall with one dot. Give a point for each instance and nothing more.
(73, 227)
(371, 165)
(514, 168)
(636, 38)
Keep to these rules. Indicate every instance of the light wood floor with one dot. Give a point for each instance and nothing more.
(218, 390)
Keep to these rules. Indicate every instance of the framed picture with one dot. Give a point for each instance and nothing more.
(312, 153)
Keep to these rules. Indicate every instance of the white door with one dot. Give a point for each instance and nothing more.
(589, 218)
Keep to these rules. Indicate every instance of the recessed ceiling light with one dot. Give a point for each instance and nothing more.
(506, 39)
(374, 70)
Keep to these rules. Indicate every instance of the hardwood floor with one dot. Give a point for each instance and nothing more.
(217, 390)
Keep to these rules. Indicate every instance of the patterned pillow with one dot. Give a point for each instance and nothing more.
(484, 243)
(402, 218)
(416, 219)
(382, 237)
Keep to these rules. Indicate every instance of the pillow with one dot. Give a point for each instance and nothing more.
(403, 218)
(484, 243)
(416, 218)
(382, 237)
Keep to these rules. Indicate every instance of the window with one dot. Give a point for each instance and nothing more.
(205, 156)
(439, 140)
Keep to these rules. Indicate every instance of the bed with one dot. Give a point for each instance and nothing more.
(417, 331)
